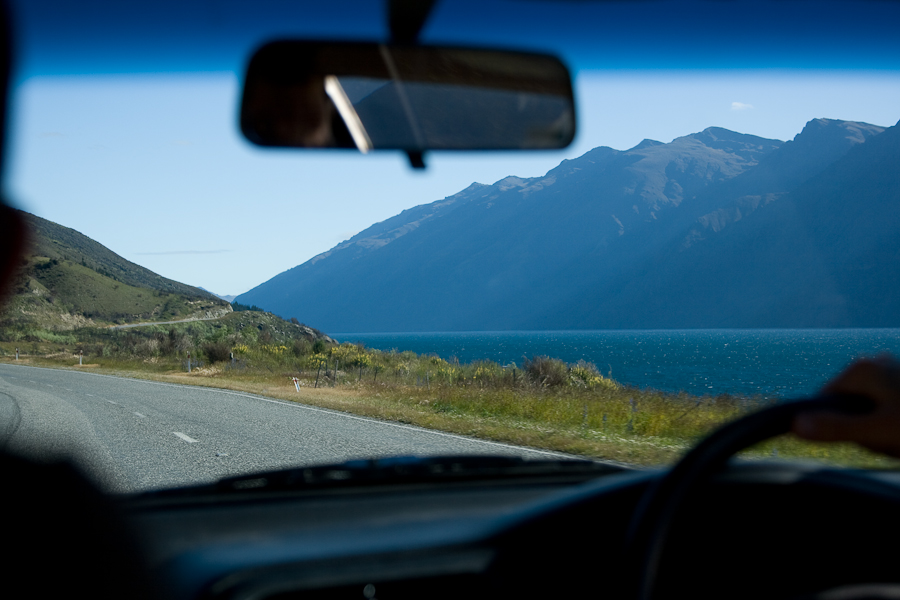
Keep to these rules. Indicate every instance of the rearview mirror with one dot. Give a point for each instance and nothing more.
(413, 98)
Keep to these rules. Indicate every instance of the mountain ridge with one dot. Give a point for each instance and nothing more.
(535, 253)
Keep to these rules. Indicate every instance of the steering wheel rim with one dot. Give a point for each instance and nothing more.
(652, 519)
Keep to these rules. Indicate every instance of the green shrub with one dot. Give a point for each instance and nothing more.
(546, 371)
(238, 307)
(57, 338)
(217, 351)
(301, 348)
(586, 374)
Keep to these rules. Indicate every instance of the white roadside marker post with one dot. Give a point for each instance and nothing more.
(80, 356)
(189, 362)
(17, 354)
(296, 383)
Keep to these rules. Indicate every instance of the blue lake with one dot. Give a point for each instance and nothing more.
(770, 362)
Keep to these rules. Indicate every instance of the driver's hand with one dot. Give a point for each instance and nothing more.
(879, 430)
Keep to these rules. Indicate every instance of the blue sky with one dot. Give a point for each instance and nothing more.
(153, 166)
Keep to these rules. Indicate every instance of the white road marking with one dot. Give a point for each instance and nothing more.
(140, 415)
(111, 402)
(335, 413)
(91, 395)
(186, 438)
(332, 412)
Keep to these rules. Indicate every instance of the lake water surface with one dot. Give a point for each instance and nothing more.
(770, 362)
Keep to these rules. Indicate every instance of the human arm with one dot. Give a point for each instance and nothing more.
(878, 430)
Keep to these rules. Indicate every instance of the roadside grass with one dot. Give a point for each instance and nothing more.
(543, 404)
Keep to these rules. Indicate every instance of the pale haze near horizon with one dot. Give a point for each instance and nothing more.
(154, 167)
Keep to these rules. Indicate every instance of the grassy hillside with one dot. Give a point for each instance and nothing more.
(54, 241)
(56, 295)
(166, 346)
(67, 281)
(211, 340)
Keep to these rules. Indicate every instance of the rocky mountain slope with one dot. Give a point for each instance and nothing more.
(715, 229)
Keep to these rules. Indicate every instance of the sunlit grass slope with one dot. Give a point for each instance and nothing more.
(67, 281)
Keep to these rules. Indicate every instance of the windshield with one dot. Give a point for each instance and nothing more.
(721, 235)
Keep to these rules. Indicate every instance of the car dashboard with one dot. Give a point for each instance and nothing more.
(759, 529)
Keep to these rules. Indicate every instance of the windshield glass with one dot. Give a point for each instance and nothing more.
(719, 236)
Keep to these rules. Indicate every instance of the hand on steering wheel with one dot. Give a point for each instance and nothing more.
(842, 400)
(878, 430)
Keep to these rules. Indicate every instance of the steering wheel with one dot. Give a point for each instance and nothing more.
(655, 513)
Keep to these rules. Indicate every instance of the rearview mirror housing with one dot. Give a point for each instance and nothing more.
(371, 96)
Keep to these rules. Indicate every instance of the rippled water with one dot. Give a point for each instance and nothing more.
(771, 362)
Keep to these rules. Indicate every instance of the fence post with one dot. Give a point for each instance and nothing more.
(318, 370)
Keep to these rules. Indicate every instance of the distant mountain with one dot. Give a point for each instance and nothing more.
(715, 229)
(818, 146)
(825, 254)
(68, 280)
(225, 298)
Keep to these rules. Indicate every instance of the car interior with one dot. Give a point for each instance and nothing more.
(711, 526)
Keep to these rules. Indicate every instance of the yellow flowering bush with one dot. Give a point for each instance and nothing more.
(274, 350)
(350, 354)
(445, 372)
(586, 374)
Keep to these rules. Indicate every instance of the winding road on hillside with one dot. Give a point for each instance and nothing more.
(133, 435)
(130, 325)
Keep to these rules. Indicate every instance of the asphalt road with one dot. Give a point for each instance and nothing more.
(134, 435)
